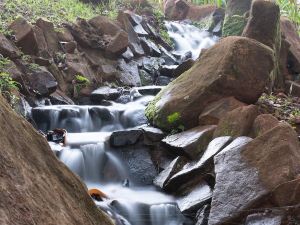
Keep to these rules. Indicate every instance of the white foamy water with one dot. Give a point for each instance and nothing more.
(188, 38)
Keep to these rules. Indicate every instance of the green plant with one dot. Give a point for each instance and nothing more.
(80, 82)
(173, 118)
(290, 9)
(7, 88)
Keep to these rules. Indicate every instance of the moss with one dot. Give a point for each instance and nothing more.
(151, 108)
(233, 25)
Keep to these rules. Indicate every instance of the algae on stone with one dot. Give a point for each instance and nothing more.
(233, 25)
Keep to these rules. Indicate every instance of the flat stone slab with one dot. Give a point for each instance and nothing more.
(191, 142)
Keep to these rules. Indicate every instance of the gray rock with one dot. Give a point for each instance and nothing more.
(191, 170)
(166, 174)
(129, 73)
(191, 142)
(152, 135)
(125, 137)
(198, 197)
(150, 47)
(264, 218)
(202, 215)
(105, 93)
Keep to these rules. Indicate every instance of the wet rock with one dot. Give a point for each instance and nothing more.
(216, 110)
(198, 197)
(167, 173)
(125, 137)
(264, 218)
(238, 122)
(134, 41)
(139, 162)
(183, 67)
(7, 49)
(128, 73)
(25, 36)
(263, 123)
(182, 98)
(152, 135)
(105, 93)
(202, 215)
(163, 80)
(59, 98)
(250, 172)
(24, 160)
(191, 142)
(146, 78)
(147, 90)
(205, 164)
(292, 37)
(41, 81)
(167, 57)
(128, 55)
(150, 47)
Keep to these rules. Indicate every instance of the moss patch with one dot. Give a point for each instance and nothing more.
(233, 25)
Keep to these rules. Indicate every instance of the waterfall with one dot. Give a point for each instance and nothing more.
(89, 155)
(188, 38)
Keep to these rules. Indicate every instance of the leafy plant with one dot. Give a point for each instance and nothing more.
(80, 82)
(290, 9)
(7, 88)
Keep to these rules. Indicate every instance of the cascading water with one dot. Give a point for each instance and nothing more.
(88, 154)
(188, 38)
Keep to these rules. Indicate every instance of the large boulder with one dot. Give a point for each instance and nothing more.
(36, 188)
(263, 26)
(238, 73)
(245, 176)
(289, 30)
(238, 122)
(8, 49)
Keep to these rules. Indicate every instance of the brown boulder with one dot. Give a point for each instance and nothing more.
(245, 176)
(263, 26)
(105, 25)
(118, 44)
(50, 35)
(197, 12)
(176, 9)
(8, 49)
(292, 37)
(263, 123)
(238, 122)
(36, 188)
(216, 110)
(25, 36)
(238, 73)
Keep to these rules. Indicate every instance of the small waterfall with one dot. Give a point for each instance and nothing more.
(89, 155)
(188, 38)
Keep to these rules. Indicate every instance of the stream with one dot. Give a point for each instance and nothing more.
(132, 199)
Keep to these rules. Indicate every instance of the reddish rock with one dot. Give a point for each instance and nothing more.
(263, 123)
(36, 188)
(197, 13)
(50, 35)
(25, 36)
(247, 174)
(238, 122)
(238, 73)
(105, 25)
(292, 37)
(216, 110)
(176, 9)
(8, 49)
(118, 44)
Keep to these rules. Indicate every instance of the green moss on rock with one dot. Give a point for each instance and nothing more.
(233, 25)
